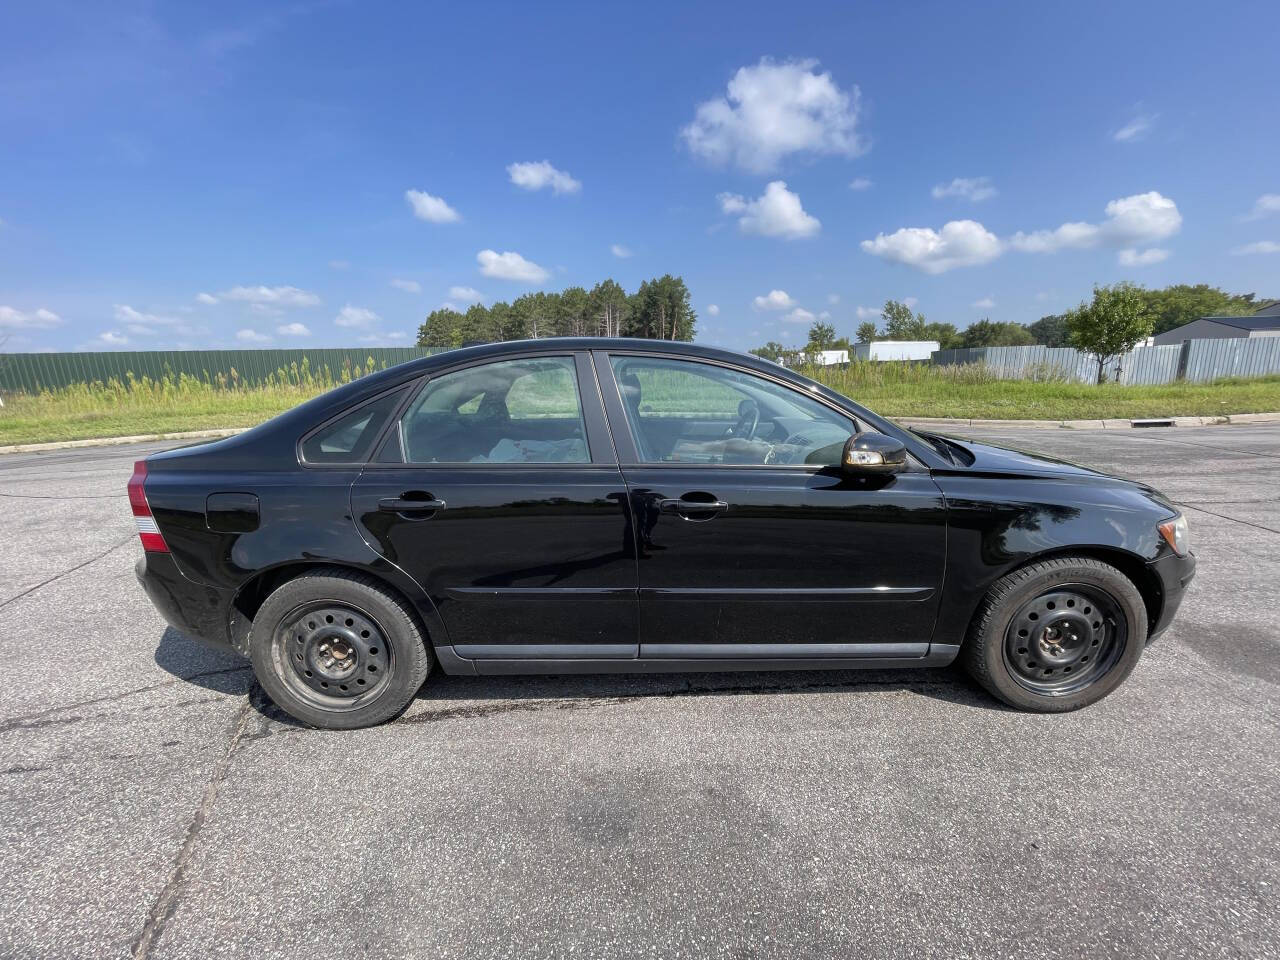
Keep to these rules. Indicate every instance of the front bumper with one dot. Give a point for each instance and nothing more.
(1174, 574)
(191, 608)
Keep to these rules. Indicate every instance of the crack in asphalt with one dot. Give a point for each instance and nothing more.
(59, 576)
(473, 711)
(170, 896)
(1205, 446)
(1223, 516)
(46, 718)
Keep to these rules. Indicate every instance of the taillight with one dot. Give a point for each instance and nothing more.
(148, 532)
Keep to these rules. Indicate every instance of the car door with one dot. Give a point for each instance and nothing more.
(751, 542)
(498, 490)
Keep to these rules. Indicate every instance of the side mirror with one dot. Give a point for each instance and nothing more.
(873, 453)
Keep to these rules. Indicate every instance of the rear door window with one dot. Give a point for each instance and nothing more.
(510, 411)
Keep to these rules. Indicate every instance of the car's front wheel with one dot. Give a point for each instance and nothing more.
(335, 649)
(1057, 635)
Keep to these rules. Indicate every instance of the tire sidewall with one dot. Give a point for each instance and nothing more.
(1097, 575)
(399, 628)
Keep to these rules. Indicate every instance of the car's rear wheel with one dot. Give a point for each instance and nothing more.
(335, 649)
(1057, 635)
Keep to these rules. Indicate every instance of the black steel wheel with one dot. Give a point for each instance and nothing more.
(334, 655)
(1064, 639)
(338, 649)
(1057, 635)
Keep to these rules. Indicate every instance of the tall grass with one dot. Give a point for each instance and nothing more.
(172, 403)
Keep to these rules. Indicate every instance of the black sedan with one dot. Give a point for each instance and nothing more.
(586, 506)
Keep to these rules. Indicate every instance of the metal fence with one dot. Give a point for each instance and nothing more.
(1194, 360)
(33, 372)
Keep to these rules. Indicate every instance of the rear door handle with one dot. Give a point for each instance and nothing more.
(401, 505)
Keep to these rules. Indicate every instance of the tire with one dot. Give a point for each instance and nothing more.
(1057, 635)
(335, 649)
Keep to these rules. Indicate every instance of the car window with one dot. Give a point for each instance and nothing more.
(348, 439)
(510, 411)
(682, 411)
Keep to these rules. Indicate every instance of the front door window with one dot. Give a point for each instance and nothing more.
(682, 411)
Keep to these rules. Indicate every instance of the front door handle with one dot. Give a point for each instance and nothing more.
(701, 509)
(410, 506)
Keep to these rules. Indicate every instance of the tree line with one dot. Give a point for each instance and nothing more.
(659, 310)
(1154, 311)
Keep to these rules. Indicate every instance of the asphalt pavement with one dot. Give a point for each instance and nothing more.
(152, 803)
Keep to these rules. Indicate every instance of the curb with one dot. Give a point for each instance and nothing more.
(941, 423)
(113, 441)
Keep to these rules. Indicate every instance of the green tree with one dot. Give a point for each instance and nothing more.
(821, 336)
(771, 351)
(900, 323)
(662, 310)
(476, 326)
(607, 305)
(1181, 303)
(945, 333)
(1051, 330)
(572, 312)
(1113, 323)
(984, 333)
(867, 332)
(441, 328)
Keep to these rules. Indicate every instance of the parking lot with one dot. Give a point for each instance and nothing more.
(154, 804)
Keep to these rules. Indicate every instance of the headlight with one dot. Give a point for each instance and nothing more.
(1175, 534)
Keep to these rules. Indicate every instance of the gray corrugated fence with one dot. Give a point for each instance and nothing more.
(1194, 360)
(32, 372)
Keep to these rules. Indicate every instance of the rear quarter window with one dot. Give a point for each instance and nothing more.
(350, 437)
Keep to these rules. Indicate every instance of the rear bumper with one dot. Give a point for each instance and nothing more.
(1175, 574)
(191, 608)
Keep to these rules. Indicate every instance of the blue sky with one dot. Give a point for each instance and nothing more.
(232, 174)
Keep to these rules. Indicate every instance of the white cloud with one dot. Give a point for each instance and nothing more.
(206, 298)
(776, 213)
(535, 176)
(339, 264)
(824, 315)
(123, 313)
(867, 313)
(713, 309)
(395, 336)
(466, 294)
(1129, 257)
(799, 315)
(1042, 296)
(1135, 221)
(251, 336)
(910, 301)
(408, 286)
(293, 330)
(860, 183)
(1265, 206)
(429, 208)
(973, 189)
(270, 296)
(833, 298)
(1135, 129)
(1262, 246)
(774, 300)
(773, 110)
(620, 251)
(510, 266)
(39, 319)
(352, 316)
(986, 303)
(960, 243)
(266, 310)
(113, 338)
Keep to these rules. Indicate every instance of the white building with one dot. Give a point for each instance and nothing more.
(895, 349)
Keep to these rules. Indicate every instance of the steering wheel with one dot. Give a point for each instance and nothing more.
(748, 420)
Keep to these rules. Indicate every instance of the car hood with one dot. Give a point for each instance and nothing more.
(992, 458)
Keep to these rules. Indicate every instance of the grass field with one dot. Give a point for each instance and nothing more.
(895, 390)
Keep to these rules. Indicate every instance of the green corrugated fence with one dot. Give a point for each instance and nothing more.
(33, 372)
